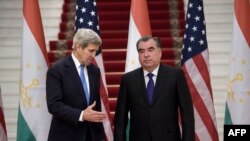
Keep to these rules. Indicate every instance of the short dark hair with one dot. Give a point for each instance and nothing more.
(148, 37)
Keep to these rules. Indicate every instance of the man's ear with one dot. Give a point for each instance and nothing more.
(78, 46)
(160, 53)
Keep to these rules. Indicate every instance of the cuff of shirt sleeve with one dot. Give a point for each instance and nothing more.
(81, 116)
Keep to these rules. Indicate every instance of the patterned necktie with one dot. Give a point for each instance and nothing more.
(84, 83)
(150, 87)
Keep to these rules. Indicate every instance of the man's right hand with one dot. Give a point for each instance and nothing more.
(93, 116)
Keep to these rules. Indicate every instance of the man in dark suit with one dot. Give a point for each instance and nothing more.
(73, 93)
(154, 94)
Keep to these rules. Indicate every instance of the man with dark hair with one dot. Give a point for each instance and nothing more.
(154, 94)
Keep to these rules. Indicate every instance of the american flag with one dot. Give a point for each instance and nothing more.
(195, 63)
(87, 17)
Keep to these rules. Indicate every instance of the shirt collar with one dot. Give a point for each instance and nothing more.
(77, 63)
(154, 72)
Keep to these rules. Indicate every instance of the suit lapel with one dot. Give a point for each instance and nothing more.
(160, 82)
(91, 83)
(140, 81)
(72, 72)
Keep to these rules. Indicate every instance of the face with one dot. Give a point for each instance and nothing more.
(86, 55)
(149, 55)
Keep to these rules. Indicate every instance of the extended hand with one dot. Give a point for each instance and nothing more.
(91, 115)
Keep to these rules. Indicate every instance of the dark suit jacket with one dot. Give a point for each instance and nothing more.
(157, 121)
(66, 100)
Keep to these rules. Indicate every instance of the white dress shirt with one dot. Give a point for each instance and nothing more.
(154, 72)
(78, 65)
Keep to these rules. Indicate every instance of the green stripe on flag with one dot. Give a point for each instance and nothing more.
(228, 119)
(23, 131)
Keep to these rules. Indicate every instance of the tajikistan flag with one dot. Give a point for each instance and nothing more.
(33, 117)
(139, 26)
(238, 98)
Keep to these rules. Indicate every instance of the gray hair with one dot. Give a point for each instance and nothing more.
(148, 37)
(85, 36)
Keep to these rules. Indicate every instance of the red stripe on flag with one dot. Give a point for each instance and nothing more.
(32, 15)
(201, 65)
(104, 97)
(139, 11)
(2, 121)
(196, 137)
(3, 136)
(242, 10)
(201, 107)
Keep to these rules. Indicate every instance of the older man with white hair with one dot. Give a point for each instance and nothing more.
(73, 93)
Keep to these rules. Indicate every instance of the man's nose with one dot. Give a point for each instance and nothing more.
(146, 53)
(93, 54)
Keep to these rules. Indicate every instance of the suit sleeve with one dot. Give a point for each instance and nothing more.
(54, 99)
(121, 113)
(186, 108)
